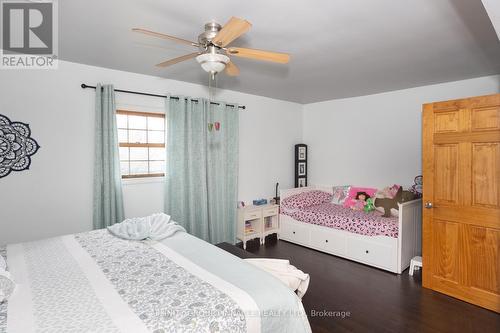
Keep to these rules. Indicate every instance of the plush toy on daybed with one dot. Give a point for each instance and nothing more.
(370, 205)
(363, 202)
(360, 201)
(385, 204)
(389, 198)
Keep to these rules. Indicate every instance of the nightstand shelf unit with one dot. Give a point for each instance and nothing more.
(270, 221)
(257, 222)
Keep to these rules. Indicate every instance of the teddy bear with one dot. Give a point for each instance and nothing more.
(389, 203)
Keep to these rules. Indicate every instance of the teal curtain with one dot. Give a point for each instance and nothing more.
(108, 199)
(202, 167)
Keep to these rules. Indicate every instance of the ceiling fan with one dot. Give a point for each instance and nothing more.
(213, 50)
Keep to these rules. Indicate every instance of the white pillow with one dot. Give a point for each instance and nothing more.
(340, 193)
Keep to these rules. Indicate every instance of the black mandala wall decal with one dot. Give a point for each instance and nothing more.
(16, 146)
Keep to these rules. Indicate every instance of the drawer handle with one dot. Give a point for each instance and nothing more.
(294, 232)
(326, 240)
(366, 251)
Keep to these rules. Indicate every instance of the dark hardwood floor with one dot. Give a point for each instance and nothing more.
(371, 300)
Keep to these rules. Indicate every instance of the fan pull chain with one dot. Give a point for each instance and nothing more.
(209, 88)
(210, 99)
(212, 89)
(212, 86)
(214, 77)
(210, 92)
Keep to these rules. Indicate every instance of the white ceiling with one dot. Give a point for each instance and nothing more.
(339, 48)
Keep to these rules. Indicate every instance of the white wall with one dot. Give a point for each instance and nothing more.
(55, 196)
(370, 140)
(375, 140)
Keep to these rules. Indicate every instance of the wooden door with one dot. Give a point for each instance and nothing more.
(461, 169)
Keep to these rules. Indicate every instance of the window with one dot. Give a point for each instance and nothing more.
(142, 143)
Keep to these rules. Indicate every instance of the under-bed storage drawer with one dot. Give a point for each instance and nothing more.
(328, 241)
(294, 232)
(372, 253)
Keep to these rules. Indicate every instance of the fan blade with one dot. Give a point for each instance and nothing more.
(232, 30)
(177, 60)
(281, 58)
(163, 36)
(232, 69)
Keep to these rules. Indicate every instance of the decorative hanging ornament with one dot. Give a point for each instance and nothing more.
(16, 146)
(217, 126)
(210, 127)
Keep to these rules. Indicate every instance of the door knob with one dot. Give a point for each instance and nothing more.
(428, 205)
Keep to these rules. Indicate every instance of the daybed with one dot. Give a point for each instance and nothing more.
(368, 238)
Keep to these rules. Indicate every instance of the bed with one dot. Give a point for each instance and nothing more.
(96, 282)
(368, 238)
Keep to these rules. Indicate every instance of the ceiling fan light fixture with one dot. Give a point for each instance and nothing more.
(212, 62)
(213, 47)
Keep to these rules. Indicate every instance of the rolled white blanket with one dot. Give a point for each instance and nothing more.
(153, 227)
(290, 275)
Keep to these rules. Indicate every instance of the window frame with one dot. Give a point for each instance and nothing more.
(141, 145)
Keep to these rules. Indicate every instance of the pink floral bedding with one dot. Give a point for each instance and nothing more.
(306, 199)
(339, 217)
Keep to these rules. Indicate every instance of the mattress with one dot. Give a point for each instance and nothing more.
(96, 282)
(342, 218)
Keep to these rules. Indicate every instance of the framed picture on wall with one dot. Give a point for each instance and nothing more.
(302, 168)
(300, 165)
(302, 182)
(302, 155)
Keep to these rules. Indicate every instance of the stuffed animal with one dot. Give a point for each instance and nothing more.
(408, 196)
(370, 206)
(388, 192)
(417, 187)
(387, 203)
(360, 201)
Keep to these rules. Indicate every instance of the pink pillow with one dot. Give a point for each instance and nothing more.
(306, 199)
(351, 198)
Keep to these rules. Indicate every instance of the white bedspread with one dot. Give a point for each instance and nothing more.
(96, 282)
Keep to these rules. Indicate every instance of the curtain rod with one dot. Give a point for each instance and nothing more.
(84, 86)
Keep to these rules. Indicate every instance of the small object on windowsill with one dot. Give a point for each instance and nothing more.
(259, 202)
